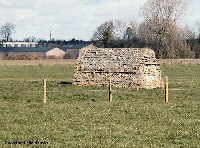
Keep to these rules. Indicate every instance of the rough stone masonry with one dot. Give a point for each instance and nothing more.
(124, 67)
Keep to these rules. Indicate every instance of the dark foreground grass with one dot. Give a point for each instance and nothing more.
(82, 117)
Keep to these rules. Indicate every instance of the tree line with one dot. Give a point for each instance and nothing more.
(7, 29)
(159, 30)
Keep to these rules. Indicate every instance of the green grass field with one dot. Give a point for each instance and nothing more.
(82, 116)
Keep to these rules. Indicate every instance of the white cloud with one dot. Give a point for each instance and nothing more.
(16, 3)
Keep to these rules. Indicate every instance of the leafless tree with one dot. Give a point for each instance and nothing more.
(119, 29)
(7, 30)
(198, 24)
(104, 34)
(170, 10)
(132, 30)
(109, 32)
(189, 36)
(198, 27)
(132, 37)
(159, 28)
(30, 39)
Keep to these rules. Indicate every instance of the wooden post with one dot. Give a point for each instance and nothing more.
(166, 90)
(45, 90)
(110, 91)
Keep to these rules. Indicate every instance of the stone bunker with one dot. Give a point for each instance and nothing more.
(124, 67)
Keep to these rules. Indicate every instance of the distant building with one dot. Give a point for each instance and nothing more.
(29, 49)
(7, 52)
(20, 44)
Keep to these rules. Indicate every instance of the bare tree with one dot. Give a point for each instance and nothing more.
(7, 30)
(119, 29)
(30, 39)
(104, 34)
(160, 30)
(189, 36)
(170, 10)
(198, 27)
(109, 33)
(132, 31)
(132, 37)
(198, 24)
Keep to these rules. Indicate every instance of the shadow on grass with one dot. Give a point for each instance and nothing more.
(65, 83)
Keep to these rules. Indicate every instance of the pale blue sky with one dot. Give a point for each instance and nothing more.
(74, 18)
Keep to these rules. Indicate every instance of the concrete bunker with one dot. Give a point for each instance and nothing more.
(125, 67)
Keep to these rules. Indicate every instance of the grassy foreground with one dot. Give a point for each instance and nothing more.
(82, 117)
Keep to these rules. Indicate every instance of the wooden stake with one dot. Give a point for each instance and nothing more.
(166, 90)
(110, 91)
(45, 90)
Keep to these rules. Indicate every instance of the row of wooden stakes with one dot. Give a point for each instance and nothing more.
(110, 90)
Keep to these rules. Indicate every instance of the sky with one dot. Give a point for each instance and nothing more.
(74, 18)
